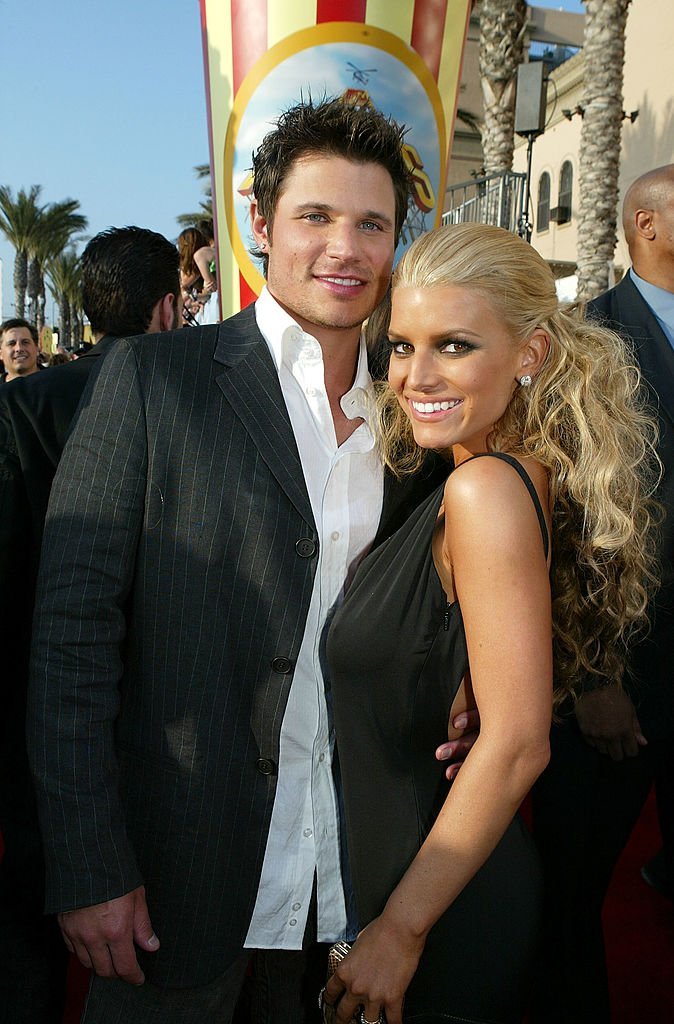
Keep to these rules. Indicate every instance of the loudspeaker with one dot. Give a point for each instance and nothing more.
(531, 98)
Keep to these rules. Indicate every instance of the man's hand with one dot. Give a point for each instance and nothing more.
(609, 723)
(456, 750)
(102, 937)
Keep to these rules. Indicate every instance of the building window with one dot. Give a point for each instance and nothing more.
(543, 208)
(565, 193)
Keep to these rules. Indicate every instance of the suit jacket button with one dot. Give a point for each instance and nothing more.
(306, 547)
(282, 665)
(265, 766)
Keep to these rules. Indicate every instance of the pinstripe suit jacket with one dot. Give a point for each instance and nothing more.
(177, 570)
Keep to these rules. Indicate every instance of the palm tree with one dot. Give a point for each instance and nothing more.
(188, 220)
(58, 223)
(19, 222)
(502, 27)
(602, 102)
(64, 279)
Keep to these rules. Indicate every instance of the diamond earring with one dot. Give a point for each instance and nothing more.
(526, 380)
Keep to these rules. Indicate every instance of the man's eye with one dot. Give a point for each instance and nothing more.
(315, 217)
(371, 225)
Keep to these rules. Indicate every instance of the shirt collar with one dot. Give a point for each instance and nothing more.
(290, 346)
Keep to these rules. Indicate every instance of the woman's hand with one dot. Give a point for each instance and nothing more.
(376, 973)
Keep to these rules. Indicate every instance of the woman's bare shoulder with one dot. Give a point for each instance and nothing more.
(489, 492)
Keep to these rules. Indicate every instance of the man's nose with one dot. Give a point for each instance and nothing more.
(342, 241)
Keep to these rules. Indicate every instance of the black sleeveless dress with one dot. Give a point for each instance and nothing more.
(397, 653)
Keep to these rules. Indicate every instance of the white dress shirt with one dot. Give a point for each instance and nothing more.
(345, 486)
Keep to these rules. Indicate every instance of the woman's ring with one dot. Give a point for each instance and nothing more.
(364, 1020)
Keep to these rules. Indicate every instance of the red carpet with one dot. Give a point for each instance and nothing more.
(639, 929)
(639, 926)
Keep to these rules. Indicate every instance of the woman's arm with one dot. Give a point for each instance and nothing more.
(494, 554)
(188, 281)
(203, 258)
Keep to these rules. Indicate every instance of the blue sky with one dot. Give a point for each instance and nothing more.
(105, 103)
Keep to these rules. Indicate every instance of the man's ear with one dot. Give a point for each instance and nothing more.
(644, 221)
(260, 228)
(164, 315)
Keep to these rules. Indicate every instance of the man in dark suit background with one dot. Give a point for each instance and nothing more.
(129, 285)
(617, 739)
(226, 482)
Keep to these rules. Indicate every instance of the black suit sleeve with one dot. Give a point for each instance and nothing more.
(87, 566)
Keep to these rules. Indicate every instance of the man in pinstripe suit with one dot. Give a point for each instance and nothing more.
(129, 285)
(217, 492)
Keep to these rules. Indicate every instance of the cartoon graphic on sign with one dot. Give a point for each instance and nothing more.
(260, 58)
(381, 73)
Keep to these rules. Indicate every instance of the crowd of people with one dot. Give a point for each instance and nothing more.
(274, 572)
(20, 350)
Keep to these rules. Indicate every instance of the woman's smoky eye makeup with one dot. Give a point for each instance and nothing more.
(453, 346)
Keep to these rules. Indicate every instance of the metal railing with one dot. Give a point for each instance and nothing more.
(497, 199)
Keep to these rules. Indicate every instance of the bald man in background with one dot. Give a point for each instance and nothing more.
(617, 739)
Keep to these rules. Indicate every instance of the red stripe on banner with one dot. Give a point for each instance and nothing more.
(249, 37)
(340, 10)
(246, 293)
(209, 117)
(428, 30)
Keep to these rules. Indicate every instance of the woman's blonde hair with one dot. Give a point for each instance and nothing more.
(583, 417)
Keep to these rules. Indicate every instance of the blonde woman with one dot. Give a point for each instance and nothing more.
(527, 570)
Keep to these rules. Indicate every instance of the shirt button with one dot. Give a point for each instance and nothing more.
(335, 535)
(321, 758)
(293, 920)
(311, 392)
(306, 547)
(282, 665)
(265, 766)
(307, 832)
(296, 906)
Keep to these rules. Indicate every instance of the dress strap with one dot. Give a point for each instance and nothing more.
(528, 483)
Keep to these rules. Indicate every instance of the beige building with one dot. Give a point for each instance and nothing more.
(545, 26)
(647, 142)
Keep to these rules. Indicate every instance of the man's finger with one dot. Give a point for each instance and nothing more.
(463, 745)
(81, 952)
(469, 719)
(125, 965)
(100, 961)
(143, 932)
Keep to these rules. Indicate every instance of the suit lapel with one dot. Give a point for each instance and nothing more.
(656, 356)
(250, 383)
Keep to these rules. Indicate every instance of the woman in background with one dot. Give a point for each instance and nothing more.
(197, 280)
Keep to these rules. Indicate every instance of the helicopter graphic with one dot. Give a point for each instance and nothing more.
(361, 75)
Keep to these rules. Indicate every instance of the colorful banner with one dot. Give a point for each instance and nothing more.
(262, 56)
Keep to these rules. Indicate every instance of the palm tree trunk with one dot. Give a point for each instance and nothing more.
(20, 281)
(41, 300)
(502, 25)
(33, 288)
(600, 137)
(64, 332)
(78, 329)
